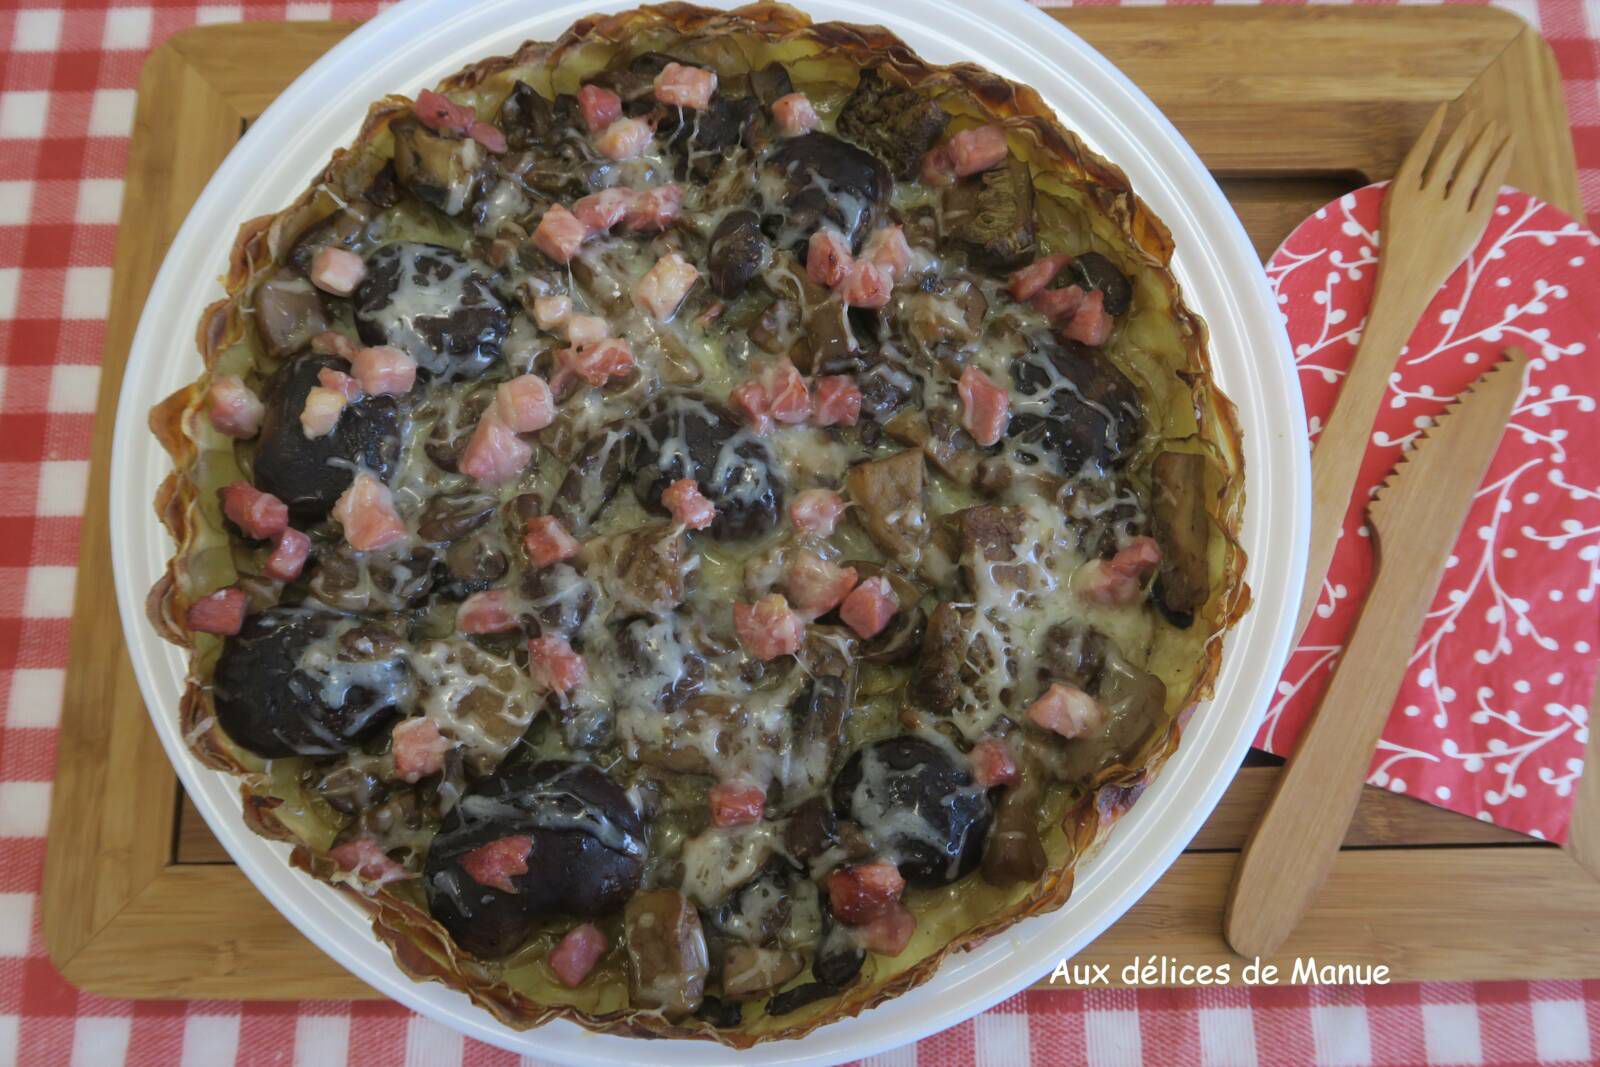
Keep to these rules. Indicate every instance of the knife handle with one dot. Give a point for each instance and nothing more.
(1293, 847)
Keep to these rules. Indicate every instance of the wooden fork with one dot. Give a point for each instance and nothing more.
(1433, 214)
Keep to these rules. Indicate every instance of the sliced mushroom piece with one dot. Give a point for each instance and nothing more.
(1092, 270)
(738, 252)
(667, 958)
(686, 435)
(1094, 414)
(451, 516)
(288, 313)
(770, 83)
(749, 971)
(643, 572)
(991, 215)
(941, 438)
(831, 181)
(888, 494)
(470, 565)
(897, 123)
(441, 171)
(937, 683)
(1181, 528)
(362, 582)
(1015, 852)
(987, 537)
(594, 476)
(434, 304)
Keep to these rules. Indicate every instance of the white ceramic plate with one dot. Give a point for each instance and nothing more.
(419, 42)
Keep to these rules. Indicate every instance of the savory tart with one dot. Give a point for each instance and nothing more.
(693, 522)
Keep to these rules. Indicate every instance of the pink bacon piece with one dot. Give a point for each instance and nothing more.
(341, 383)
(259, 515)
(418, 749)
(985, 406)
(494, 454)
(688, 505)
(548, 542)
(603, 210)
(488, 611)
(577, 953)
(795, 115)
(234, 410)
(554, 664)
(869, 607)
(384, 370)
(828, 258)
(768, 628)
(815, 585)
(736, 803)
(837, 402)
(624, 139)
(365, 858)
(1036, 275)
(321, 412)
(1067, 710)
(337, 270)
(366, 511)
(664, 286)
(816, 511)
(221, 612)
(653, 210)
(1119, 581)
(560, 234)
(494, 864)
(288, 557)
(682, 86)
(525, 403)
(599, 107)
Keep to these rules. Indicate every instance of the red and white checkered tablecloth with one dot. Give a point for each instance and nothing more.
(68, 69)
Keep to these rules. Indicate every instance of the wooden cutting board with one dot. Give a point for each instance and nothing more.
(1289, 108)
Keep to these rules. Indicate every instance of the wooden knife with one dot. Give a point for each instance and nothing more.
(1415, 519)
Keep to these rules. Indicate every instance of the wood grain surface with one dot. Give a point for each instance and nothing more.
(1288, 107)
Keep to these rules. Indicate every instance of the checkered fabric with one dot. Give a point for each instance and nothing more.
(67, 77)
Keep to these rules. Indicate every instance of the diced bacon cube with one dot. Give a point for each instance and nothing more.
(587, 330)
(488, 135)
(1067, 710)
(221, 612)
(575, 957)
(603, 210)
(600, 107)
(234, 410)
(496, 863)
(340, 382)
(688, 505)
(334, 343)
(337, 270)
(288, 558)
(977, 150)
(577, 953)
(992, 763)
(486, 612)
(367, 513)
(869, 607)
(736, 803)
(795, 115)
(494, 454)
(682, 86)
(653, 210)
(524, 403)
(418, 749)
(441, 114)
(816, 511)
(384, 370)
(889, 933)
(860, 893)
(596, 363)
(788, 400)
(322, 411)
(838, 401)
(1119, 581)
(828, 258)
(1090, 324)
(768, 628)
(365, 858)
(1036, 275)
(664, 286)
(938, 167)
(888, 250)
(1059, 305)
(259, 515)
(560, 234)
(551, 311)
(548, 542)
(866, 286)
(554, 664)
(985, 406)
(624, 139)
(749, 399)
(816, 586)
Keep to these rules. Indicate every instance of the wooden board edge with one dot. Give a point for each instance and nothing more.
(99, 853)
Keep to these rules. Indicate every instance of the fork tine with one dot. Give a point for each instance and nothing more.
(1469, 175)
(1410, 172)
(1494, 176)
(1443, 167)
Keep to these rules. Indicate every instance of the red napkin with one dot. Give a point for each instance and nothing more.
(1492, 718)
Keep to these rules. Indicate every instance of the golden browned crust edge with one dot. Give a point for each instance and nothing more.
(421, 948)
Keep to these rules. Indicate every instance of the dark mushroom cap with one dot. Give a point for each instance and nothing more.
(832, 181)
(307, 473)
(587, 856)
(432, 303)
(270, 701)
(915, 800)
(682, 435)
(1094, 413)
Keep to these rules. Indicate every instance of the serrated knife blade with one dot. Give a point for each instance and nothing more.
(1416, 517)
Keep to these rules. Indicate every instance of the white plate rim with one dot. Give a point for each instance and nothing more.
(419, 41)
